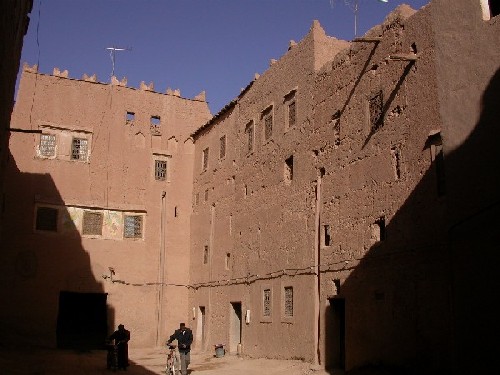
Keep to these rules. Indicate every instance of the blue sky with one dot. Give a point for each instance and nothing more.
(214, 46)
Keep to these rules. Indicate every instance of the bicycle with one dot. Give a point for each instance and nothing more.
(173, 366)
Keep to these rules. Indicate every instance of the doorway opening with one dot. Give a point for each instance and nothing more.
(82, 321)
(200, 327)
(235, 327)
(335, 334)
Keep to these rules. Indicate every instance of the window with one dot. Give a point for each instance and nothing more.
(375, 111)
(267, 120)
(197, 199)
(327, 236)
(288, 301)
(205, 254)
(206, 195)
(222, 148)
(132, 226)
(92, 223)
(155, 125)
(378, 230)
(160, 170)
(130, 117)
(335, 123)
(204, 161)
(47, 145)
(228, 261)
(290, 110)
(288, 170)
(266, 302)
(437, 157)
(79, 149)
(46, 219)
(396, 161)
(249, 131)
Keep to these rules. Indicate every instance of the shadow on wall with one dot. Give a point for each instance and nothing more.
(45, 273)
(422, 298)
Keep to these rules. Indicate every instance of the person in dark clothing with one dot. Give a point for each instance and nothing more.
(121, 337)
(184, 337)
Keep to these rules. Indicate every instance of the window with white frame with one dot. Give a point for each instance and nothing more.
(92, 223)
(47, 145)
(132, 226)
(79, 149)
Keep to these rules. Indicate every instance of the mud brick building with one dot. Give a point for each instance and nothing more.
(342, 209)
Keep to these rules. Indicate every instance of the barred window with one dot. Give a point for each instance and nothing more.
(375, 108)
(266, 302)
(222, 150)
(92, 223)
(249, 131)
(205, 159)
(47, 145)
(46, 219)
(79, 149)
(288, 301)
(160, 170)
(132, 226)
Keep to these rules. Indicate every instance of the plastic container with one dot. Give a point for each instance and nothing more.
(219, 351)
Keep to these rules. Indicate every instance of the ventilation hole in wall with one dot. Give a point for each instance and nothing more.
(414, 47)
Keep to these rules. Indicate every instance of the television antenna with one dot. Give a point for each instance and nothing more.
(112, 51)
(354, 5)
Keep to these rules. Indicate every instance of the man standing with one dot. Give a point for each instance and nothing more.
(184, 337)
(121, 337)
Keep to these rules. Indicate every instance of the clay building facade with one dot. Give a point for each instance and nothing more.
(331, 212)
(98, 201)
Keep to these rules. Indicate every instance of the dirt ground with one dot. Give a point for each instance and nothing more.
(142, 362)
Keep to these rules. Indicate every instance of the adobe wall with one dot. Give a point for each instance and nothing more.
(258, 224)
(117, 179)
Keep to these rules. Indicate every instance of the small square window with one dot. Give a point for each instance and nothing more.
(204, 161)
(46, 219)
(132, 226)
(160, 170)
(47, 145)
(79, 149)
(288, 301)
(92, 223)
(222, 149)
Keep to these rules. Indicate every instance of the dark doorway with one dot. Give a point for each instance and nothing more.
(82, 321)
(235, 327)
(335, 334)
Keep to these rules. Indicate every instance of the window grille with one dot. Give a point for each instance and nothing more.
(376, 115)
(288, 301)
(79, 149)
(132, 226)
(46, 219)
(205, 159)
(160, 170)
(249, 130)
(48, 145)
(267, 302)
(222, 150)
(92, 223)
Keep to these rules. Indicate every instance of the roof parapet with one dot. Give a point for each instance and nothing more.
(30, 69)
(144, 87)
(201, 96)
(57, 73)
(87, 78)
(116, 82)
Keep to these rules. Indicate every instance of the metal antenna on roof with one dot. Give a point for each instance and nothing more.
(354, 5)
(112, 51)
